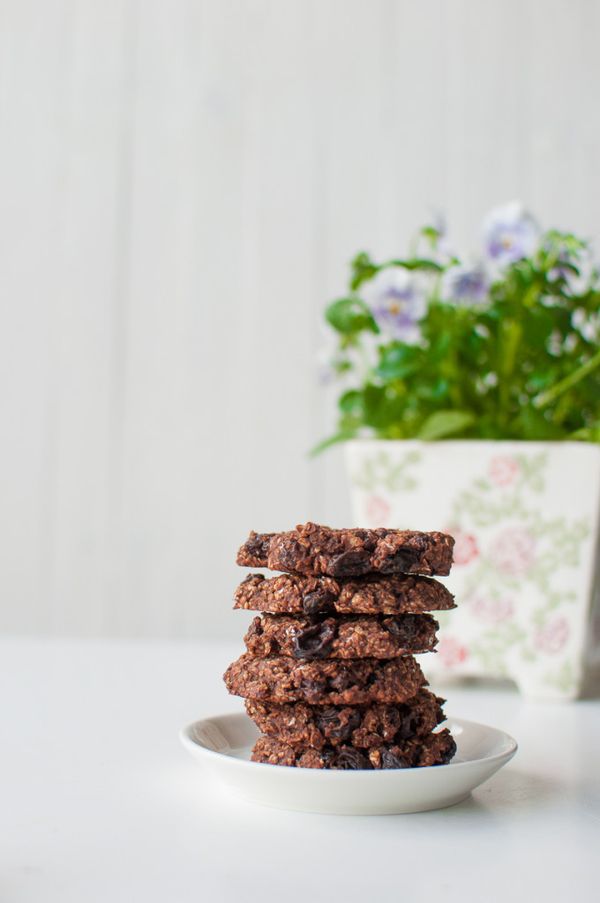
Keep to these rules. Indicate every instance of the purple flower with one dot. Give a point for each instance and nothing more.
(465, 285)
(510, 233)
(397, 303)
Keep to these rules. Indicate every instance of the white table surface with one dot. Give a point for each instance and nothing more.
(99, 802)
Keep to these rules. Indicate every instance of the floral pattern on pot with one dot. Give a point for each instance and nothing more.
(524, 517)
(451, 651)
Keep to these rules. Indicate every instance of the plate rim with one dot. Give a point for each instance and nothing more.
(192, 746)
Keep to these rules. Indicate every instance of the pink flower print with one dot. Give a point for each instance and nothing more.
(451, 651)
(465, 546)
(552, 637)
(378, 511)
(513, 551)
(503, 470)
(492, 611)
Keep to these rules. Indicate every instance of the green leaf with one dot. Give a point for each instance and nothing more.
(350, 316)
(445, 423)
(587, 434)
(416, 263)
(435, 391)
(520, 367)
(341, 436)
(351, 402)
(532, 425)
(383, 409)
(540, 401)
(431, 234)
(398, 360)
(363, 269)
(538, 326)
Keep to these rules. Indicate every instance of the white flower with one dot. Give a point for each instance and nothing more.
(397, 301)
(587, 324)
(510, 233)
(574, 284)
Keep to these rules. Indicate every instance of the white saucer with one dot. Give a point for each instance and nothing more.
(223, 743)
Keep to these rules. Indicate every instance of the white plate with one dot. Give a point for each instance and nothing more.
(222, 745)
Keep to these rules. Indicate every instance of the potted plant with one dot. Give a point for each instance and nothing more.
(470, 401)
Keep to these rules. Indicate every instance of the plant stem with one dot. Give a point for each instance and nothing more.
(547, 397)
(510, 338)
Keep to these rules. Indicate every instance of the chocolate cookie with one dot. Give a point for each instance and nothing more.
(363, 727)
(281, 679)
(315, 551)
(372, 595)
(433, 749)
(349, 636)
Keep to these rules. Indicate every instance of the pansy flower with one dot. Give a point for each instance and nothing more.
(510, 233)
(397, 302)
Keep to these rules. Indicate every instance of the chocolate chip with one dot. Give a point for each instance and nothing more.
(328, 755)
(313, 689)
(406, 627)
(389, 760)
(257, 545)
(450, 753)
(255, 629)
(350, 563)
(393, 626)
(318, 601)
(345, 679)
(345, 730)
(290, 555)
(350, 758)
(372, 678)
(337, 724)
(408, 728)
(315, 641)
(326, 715)
(401, 562)
(387, 721)
(253, 579)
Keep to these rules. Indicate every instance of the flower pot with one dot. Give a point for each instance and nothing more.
(525, 516)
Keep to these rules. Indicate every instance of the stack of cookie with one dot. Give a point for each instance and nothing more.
(330, 676)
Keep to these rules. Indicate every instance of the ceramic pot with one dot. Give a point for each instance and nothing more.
(525, 516)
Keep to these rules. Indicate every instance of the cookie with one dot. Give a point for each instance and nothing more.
(372, 595)
(346, 637)
(433, 749)
(282, 679)
(314, 550)
(363, 727)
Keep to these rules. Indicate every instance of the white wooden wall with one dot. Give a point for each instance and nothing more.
(182, 183)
